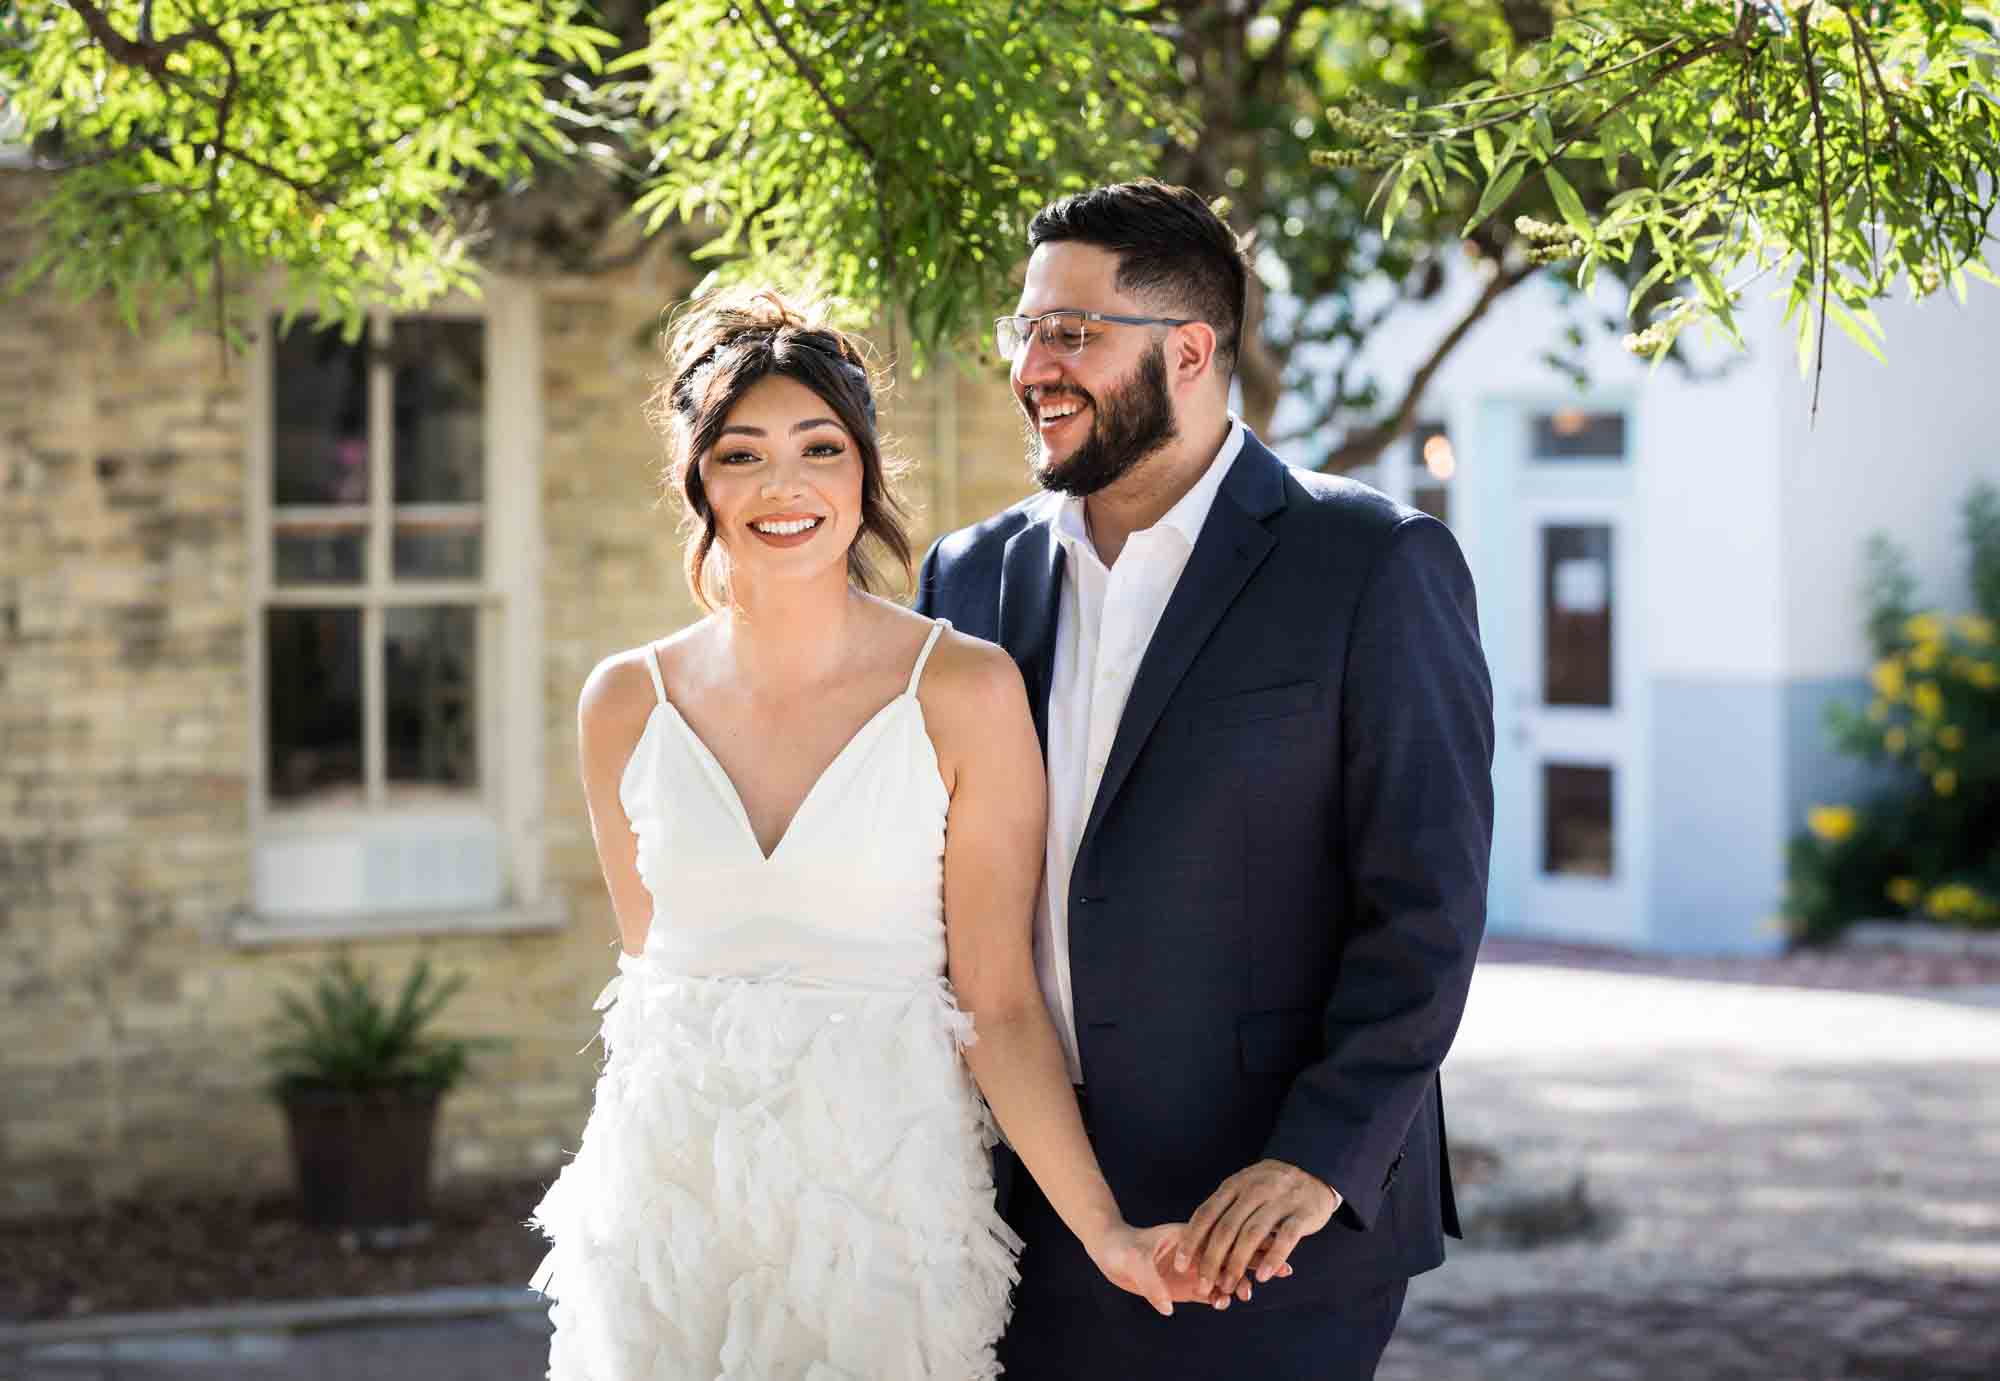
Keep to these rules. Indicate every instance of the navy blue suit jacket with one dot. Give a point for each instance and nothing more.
(1281, 886)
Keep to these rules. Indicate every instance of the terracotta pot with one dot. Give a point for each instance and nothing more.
(362, 1160)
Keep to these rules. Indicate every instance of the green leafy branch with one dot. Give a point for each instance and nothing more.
(195, 143)
(1848, 143)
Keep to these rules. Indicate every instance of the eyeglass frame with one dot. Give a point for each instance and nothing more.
(1031, 330)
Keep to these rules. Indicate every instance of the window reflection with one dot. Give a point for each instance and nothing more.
(431, 663)
(1577, 609)
(320, 409)
(1576, 821)
(312, 688)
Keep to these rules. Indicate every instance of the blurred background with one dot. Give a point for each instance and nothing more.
(301, 569)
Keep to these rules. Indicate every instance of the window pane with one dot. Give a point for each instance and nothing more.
(431, 683)
(313, 691)
(330, 553)
(1573, 434)
(1576, 821)
(1576, 615)
(440, 387)
(319, 417)
(427, 551)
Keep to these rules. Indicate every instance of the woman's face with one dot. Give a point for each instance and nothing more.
(784, 482)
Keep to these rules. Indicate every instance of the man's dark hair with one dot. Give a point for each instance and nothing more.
(1171, 248)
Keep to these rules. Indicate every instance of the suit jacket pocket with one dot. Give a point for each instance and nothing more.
(1246, 707)
(1282, 1041)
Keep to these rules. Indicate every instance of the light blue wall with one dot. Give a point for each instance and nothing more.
(1719, 752)
(1815, 774)
(1736, 766)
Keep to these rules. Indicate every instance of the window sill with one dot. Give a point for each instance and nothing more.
(252, 931)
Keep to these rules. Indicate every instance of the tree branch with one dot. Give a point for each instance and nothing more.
(1367, 443)
(1825, 265)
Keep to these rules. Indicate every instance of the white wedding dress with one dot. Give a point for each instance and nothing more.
(785, 1171)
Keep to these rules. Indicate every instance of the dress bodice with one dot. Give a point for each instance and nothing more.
(852, 895)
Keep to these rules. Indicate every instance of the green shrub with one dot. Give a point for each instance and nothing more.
(1928, 845)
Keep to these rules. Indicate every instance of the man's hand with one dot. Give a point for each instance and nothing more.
(1261, 1212)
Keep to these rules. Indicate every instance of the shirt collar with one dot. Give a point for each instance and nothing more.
(1064, 512)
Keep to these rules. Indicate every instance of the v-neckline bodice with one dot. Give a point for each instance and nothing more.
(725, 785)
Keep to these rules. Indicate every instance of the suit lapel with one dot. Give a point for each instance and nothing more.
(1232, 545)
(1030, 584)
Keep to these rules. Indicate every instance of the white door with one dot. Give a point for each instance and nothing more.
(1571, 808)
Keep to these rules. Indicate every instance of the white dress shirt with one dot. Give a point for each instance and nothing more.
(1103, 625)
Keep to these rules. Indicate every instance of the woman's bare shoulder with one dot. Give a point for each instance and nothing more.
(618, 694)
(968, 678)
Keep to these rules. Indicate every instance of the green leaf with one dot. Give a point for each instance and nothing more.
(1568, 203)
(1497, 192)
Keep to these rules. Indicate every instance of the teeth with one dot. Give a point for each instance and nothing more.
(1050, 414)
(787, 529)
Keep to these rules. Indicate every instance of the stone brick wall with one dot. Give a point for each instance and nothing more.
(129, 1023)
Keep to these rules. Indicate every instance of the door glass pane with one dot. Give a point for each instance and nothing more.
(1574, 434)
(440, 389)
(312, 670)
(431, 674)
(320, 418)
(1576, 821)
(1577, 611)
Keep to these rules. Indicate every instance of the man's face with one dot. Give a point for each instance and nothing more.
(1091, 416)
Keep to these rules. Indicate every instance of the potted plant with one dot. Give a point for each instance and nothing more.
(359, 1081)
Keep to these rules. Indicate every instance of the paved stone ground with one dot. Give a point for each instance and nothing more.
(1804, 1183)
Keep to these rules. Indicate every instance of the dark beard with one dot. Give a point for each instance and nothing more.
(1126, 426)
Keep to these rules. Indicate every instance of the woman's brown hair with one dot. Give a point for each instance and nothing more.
(716, 352)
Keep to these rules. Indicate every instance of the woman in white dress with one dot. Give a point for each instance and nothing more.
(820, 817)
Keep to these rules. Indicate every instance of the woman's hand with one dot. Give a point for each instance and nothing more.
(1141, 1260)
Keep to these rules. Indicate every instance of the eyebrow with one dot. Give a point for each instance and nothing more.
(797, 427)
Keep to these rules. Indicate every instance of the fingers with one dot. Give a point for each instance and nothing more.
(1194, 1238)
(1221, 1243)
(1276, 1260)
(1257, 1228)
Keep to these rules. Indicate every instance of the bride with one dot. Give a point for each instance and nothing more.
(820, 818)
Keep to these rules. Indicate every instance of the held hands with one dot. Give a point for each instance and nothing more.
(1249, 1226)
(1142, 1261)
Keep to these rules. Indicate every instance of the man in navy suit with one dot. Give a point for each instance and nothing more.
(1268, 730)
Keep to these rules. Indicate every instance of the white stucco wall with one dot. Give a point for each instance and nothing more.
(1895, 448)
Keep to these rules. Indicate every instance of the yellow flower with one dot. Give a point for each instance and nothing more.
(1831, 823)
(1975, 628)
(1924, 628)
(1888, 678)
(1945, 782)
(1927, 699)
(1903, 891)
(1925, 656)
(1878, 712)
(1895, 741)
(1951, 738)
(1984, 675)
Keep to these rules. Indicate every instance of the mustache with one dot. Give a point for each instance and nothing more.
(1035, 395)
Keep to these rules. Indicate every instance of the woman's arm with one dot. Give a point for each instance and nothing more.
(610, 715)
(977, 711)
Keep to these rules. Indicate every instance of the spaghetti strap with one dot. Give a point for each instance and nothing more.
(653, 670)
(917, 672)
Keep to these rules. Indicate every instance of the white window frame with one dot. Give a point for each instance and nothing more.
(509, 797)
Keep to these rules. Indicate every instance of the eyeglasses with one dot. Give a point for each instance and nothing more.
(1064, 333)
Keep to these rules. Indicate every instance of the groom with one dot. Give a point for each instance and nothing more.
(1268, 730)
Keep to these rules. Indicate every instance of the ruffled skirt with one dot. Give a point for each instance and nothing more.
(777, 1180)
